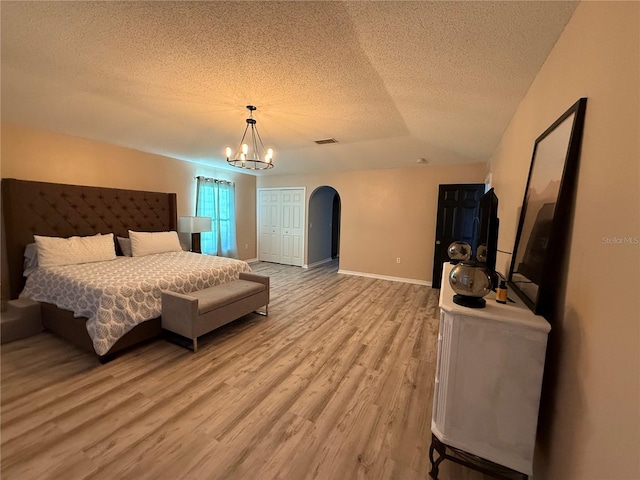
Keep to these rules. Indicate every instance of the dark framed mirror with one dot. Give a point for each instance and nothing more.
(543, 227)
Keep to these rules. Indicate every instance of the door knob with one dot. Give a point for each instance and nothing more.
(437, 242)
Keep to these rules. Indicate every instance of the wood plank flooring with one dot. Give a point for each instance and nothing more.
(336, 383)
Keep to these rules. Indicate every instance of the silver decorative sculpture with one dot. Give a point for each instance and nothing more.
(459, 251)
(471, 281)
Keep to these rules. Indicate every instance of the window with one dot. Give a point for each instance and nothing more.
(216, 199)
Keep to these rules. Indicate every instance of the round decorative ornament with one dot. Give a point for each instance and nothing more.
(481, 253)
(471, 281)
(459, 251)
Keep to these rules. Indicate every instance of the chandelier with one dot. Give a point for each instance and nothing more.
(251, 154)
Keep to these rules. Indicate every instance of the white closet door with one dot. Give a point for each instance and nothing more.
(281, 216)
(263, 225)
(292, 226)
(275, 219)
(269, 225)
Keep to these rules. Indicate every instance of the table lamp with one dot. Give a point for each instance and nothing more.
(194, 226)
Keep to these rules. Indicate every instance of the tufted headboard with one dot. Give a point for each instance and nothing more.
(54, 209)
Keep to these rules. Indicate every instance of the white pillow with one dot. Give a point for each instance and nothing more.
(147, 243)
(53, 251)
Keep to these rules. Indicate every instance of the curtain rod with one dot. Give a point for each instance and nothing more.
(214, 180)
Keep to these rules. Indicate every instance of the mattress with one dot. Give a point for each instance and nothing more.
(117, 295)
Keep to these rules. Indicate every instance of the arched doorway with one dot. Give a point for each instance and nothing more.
(323, 237)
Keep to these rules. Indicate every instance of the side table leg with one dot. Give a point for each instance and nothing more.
(436, 446)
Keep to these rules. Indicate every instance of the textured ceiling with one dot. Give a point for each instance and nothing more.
(391, 81)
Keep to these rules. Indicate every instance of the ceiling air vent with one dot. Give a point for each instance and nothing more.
(326, 141)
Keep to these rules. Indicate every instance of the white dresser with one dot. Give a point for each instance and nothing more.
(488, 379)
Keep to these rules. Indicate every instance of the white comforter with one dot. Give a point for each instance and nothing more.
(119, 294)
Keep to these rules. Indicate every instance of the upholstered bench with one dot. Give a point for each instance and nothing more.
(197, 313)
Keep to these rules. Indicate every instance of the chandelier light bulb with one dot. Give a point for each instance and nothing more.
(245, 149)
(228, 151)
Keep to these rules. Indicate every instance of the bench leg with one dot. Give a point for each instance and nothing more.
(195, 345)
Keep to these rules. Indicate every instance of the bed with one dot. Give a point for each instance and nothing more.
(50, 209)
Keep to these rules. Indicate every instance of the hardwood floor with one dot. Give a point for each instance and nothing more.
(336, 383)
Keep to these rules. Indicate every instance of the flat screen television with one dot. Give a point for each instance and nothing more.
(487, 244)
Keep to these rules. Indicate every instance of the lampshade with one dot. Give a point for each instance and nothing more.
(194, 224)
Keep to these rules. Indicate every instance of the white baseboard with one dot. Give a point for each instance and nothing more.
(316, 264)
(252, 260)
(386, 277)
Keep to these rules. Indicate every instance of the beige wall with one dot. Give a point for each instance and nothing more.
(386, 214)
(590, 417)
(30, 154)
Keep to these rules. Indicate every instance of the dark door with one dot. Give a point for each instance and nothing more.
(335, 227)
(457, 213)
